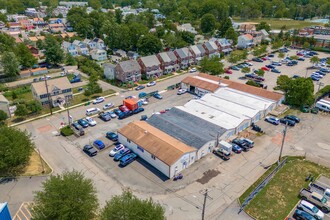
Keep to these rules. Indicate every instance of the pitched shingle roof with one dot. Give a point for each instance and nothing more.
(61, 83)
(129, 66)
(165, 57)
(172, 56)
(161, 145)
(150, 61)
(187, 128)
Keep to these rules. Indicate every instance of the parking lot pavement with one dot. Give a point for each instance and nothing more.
(24, 212)
(326, 215)
(270, 77)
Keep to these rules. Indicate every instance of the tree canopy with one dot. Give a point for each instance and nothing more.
(212, 65)
(15, 150)
(53, 51)
(10, 64)
(135, 209)
(66, 196)
(149, 44)
(208, 23)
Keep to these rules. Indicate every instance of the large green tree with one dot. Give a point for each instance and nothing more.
(314, 60)
(93, 86)
(212, 65)
(232, 35)
(263, 25)
(10, 64)
(21, 110)
(66, 196)
(135, 209)
(224, 26)
(300, 92)
(53, 51)
(25, 56)
(208, 23)
(149, 44)
(15, 150)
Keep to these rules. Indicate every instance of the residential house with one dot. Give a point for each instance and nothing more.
(70, 48)
(31, 12)
(89, 43)
(14, 26)
(245, 41)
(247, 28)
(70, 5)
(150, 66)
(120, 53)
(60, 10)
(320, 30)
(168, 65)
(109, 70)
(99, 44)
(224, 45)
(26, 24)
(39, 23)
(132, 55)
(55, 21)
(56, 28)
(322, 41)
(34, 51)
(4, 105)
(25, 73)
(59, 90)
(127, 71)
(196, 53)
(186, 27)
(211, 49)
(98, 55)
(185, 57)
(81, 47)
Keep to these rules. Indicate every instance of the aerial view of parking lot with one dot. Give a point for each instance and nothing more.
(148, 111)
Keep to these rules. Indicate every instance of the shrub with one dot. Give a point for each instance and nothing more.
(66, 131)
(226, 77)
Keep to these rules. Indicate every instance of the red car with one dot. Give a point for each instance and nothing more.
(123, 108)
(264, 58)
(265, 68)
(228, 71)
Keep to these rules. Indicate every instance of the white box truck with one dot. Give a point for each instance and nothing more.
(323, 105)
(226, 146)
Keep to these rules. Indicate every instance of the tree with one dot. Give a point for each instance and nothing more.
(53, 51)
(66, 196)
(15, 151)
(134, 208)
(69, 60)
(212, 65)
(149, 44)
(3, 117)
(306, 45)
(187, 37)
(263, 25)
(40, 44)
(246, 69)
(7, 42)
(260, 72)
(34, 106)
(232, 35)
(277, 44)
(208, 22)
(224, 27)
(21, 110)
(26, 59)
(10, 64)
(95, 4)
(294, 57)
(283, 83)
(314, 60)
(93, 86)
(300, 92)
(281, 55)
(118, 16)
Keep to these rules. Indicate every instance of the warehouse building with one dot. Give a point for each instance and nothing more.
(167, 154)
(189, 129)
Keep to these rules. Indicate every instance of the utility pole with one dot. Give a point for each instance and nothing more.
(67, 109)
(48, 96)
(283, 139)
(206, 196)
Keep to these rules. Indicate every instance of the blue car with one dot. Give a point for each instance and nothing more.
(129, 158)
(83, 123)
(121, 153)
(158, 96)
(315, 78)
(117, 111)
(99, 144)
(138, 110)
(112, 136)
(236, 148)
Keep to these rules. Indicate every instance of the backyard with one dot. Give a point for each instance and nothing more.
(280, 196)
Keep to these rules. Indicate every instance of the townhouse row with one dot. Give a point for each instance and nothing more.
(154, 66)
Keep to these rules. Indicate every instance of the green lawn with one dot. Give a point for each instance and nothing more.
(77, 99)
(279, 197)
(277, 24)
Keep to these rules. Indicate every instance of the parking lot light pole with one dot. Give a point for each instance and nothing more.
(283, 139)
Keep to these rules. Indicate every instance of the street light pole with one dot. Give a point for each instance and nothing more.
(283, 139)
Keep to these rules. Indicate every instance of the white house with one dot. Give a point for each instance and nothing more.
(165, 153)
(245, 41)
(109, 70)
(99, 55)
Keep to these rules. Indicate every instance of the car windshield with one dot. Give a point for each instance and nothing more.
(324, 200)
(315, 210)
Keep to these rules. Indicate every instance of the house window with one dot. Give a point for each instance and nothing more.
(128, 140)
(153, 157)
(140, 148)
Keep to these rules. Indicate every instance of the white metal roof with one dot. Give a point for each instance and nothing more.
(243, 98)
(215, 114)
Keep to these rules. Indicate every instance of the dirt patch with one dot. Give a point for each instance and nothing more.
(277, 139)
(36, 166)
(208, 175)
(45, 128)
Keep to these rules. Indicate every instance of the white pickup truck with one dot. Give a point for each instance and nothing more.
(321, 186)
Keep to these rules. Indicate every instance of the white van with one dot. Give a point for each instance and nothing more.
(323, 105)
(92, 111)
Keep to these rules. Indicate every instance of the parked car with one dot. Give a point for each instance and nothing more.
(293, 118)
(144, 101)
(241, 144)
(265, 68)
(256, 59)
(301, 59)
(117, 148)
(123, 108)
(301, 215)
(315, 78)
(236, 148)
(127, 159)
(105, 116)
(121, 153)
(193, 70)
(181, 91)
(248, 63)
(271, 55)
(316, 199)
(117, 111)
(98, 100)
(89, 150)
(277, 64)
(138, 110)
(83, 123)
(153, 83)
(112, 114)
(288, 122)
(311, 209)
(76, 125)
(234, 68)
(264, 58)
(274, 70)
(249, 142)
(112, 136)
(228, 71)
(270, 66)
(222, 153)
(91, 121)
(108, 106)
(157, 96)
(273, 120)
(99, 144)
(139, 88)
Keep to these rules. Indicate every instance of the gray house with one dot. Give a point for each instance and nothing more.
(189, 129)
(109, 70)
(211, 49)
(127, 71)
(81, 47)
(150, 66)
(197, 53)
(184, 56)
(168, 65)
(4, 105)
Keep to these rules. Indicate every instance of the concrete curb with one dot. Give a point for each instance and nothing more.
(58, 111)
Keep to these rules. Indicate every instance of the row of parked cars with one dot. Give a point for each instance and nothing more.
(237, 145)
(122, 154)
(290, 120)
